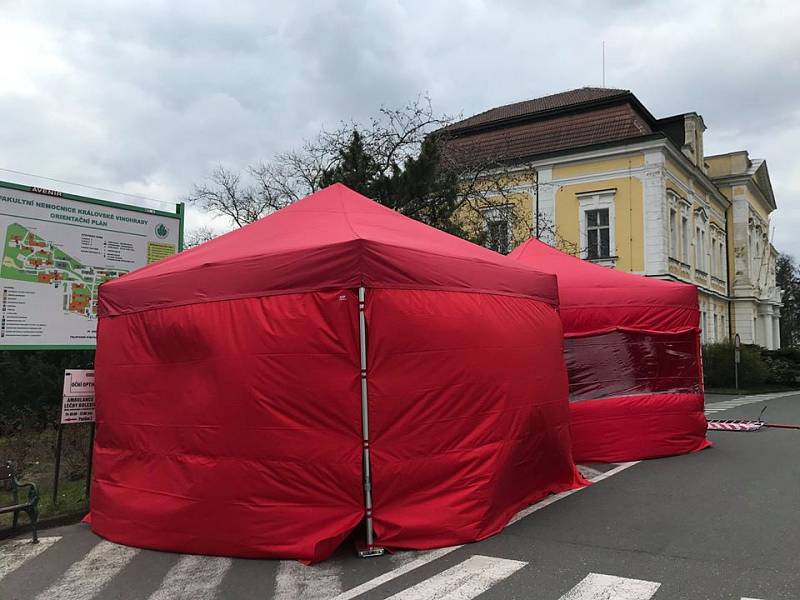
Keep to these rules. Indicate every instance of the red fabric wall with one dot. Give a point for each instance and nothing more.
(468, 417)
(632, 348)
(620, 429)
(234, 427)
(635, 395)
(230, 427)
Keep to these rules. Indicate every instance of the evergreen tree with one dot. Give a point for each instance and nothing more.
(788, 279)
(420, 188)
(355, 167)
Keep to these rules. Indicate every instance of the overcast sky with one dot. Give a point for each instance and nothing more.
(145, 97)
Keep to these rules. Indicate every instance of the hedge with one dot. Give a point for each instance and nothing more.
(757, 366)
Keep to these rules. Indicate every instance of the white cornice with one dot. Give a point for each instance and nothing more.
(704, 180)
(623, 149)
(588, 155)
(747, 180)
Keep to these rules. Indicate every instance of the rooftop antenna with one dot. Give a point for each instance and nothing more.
(604, 64)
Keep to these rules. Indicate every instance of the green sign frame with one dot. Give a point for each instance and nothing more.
(179, 214)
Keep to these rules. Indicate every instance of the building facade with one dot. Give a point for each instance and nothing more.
(602, 178)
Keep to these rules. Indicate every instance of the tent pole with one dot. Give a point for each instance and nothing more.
(371, 549)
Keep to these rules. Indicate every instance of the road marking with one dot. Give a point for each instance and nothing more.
(618, 469)
(556, 497)
(15, 553)
(85, 578)
(429, 556)
(715, 407)
(195, 577)
(588, 472)
(464, 581)
(596, 586)
(423, 559)
(294, 580)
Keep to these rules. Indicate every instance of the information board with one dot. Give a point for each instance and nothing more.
(58, 249)
(78, 403)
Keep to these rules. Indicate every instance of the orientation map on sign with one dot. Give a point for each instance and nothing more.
(57, 251)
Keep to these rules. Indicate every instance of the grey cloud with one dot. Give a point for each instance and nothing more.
(153, 94)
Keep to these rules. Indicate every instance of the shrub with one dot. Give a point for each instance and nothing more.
(784, 366)
(718, 369)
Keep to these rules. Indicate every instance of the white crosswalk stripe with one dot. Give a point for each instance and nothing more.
(193, 578)
(408, 562)
(588, 472)
(85, 578)
(14, 554)
(295, 580)
(743, 401)
(596, 586)
(464, 581)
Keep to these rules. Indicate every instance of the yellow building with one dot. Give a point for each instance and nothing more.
(598, 175)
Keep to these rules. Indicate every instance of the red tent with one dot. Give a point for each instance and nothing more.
(632, 348)
(231, 380)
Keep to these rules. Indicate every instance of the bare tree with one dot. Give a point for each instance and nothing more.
(198, 236)
(485, 183)
(224, 193)
(391, 137)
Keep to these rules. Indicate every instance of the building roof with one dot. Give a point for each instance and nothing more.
(570, 121)
(596, 299)
(527, 108)
(611, 123)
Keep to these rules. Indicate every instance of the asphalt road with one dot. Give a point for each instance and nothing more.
(720, 524)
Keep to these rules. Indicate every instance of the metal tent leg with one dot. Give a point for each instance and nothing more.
(371, 549)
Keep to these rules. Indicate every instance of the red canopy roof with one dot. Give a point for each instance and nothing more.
(333, 239)
(594, 299)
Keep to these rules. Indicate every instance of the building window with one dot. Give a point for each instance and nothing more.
(685, 238)
(702, 327)
(700, 250)
(598, 234)
(673, 233)
(713, 254)
(497, 220)
(596, 214)
(717, 258)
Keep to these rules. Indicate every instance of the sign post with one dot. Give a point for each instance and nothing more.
(59, 440)
(77, 407)
(737, 358)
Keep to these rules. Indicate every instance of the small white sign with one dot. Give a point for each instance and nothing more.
(78, 404)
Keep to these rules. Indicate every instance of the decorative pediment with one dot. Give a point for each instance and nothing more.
(701, 213)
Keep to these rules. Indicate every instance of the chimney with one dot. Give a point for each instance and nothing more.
(693, 128)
